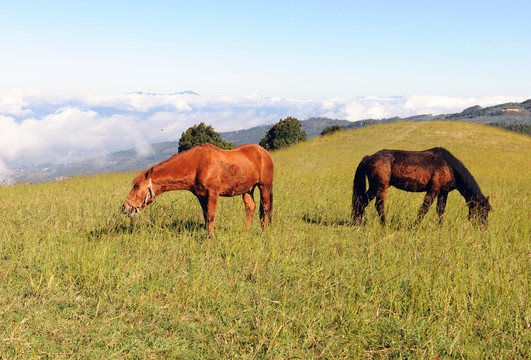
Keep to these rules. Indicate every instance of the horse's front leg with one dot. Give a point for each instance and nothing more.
(441, 205)
(428, 200)
(208, 204)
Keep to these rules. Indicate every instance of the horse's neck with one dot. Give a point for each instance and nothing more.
(170, 175)
(467, 185)
(471, 195)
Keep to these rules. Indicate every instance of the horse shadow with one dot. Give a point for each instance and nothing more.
(395, 222)
(122, 227)
(185, 225)
(109, 230)
(320, 220)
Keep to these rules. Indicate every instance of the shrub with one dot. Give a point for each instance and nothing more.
(283, 134)
(331, 129)
(202, 134)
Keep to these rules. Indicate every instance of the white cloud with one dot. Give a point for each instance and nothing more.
(429, 104)
(138, 101)
(13, 101)
(35, 129)
(5, 174)
(68, 135)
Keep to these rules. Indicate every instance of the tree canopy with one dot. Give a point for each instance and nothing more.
(283, 134)
(202, 134)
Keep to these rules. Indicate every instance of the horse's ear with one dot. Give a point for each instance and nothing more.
(149, 173)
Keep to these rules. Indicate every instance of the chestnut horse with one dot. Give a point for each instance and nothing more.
(435, 171)
(209, 172)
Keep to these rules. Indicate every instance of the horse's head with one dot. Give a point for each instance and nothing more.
(479, 210)
(141, 194)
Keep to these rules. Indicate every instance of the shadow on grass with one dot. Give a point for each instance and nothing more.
(319, 220)
(128, 226)
(187, 225)
(393, 222)
(109, 230)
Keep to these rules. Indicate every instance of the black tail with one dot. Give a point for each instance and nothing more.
(359, 189)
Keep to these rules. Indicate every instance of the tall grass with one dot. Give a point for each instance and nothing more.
(78, 280)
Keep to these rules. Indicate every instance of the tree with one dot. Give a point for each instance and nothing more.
(283, 134)
(331, 129)
(202, 134)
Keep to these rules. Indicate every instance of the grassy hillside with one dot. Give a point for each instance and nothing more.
(79, 280)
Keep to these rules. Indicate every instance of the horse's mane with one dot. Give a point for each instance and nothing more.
(465, 182)
(142, 176)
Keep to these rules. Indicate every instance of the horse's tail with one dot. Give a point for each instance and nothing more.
(465, 182)
(359, 189)
(270, 204)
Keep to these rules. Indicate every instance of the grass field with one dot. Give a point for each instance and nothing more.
(79, 280)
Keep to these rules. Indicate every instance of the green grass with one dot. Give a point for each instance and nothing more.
(79, 280)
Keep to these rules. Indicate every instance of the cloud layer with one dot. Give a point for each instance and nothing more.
(36, 129)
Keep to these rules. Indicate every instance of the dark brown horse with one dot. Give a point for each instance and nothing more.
(209, 172)
(435, 171)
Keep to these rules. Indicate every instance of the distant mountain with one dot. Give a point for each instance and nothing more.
(312, 126)
(513, 116)
(509, 113)
(187, 92)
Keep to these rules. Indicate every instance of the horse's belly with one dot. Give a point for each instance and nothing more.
(236, 189)
(237, 180)
(409, 185)
(410, 179)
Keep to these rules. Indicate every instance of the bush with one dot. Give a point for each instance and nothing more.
(202, 134)
(285, 133)
(331, 129)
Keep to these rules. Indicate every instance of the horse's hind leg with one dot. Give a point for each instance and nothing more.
(380, 200)
(250, 206)
(266, 204)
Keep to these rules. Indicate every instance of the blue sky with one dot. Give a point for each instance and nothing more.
(72, 69)
(297, 49)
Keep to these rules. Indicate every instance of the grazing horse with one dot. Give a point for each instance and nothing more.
(209, 172)
(435, 171)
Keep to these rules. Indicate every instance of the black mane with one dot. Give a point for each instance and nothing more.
(465, 182)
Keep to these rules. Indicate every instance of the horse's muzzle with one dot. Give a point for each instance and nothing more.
(128, 208)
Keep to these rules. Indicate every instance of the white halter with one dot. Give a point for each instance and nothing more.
(150, 195)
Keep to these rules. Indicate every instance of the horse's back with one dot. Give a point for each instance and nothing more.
(424, 158)
(412, 170)
(260, 158)
(231, 172)
(243, 155)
